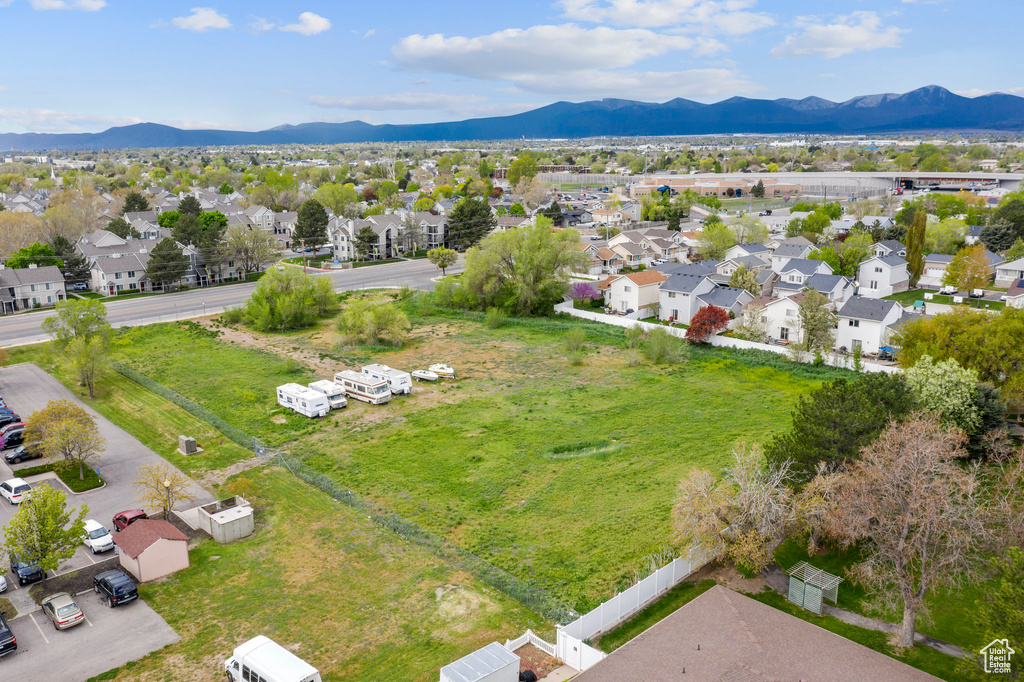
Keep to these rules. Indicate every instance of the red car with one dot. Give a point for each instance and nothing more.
(127, 518)
(4, 430)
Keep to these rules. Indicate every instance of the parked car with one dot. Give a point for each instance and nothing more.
(12, 439)
(15, 490)
(9, 418)
(8, 642)
(12, 426)
(765, 212)
(21, 454)
(947, 290)
(26, 570)
(126, 518)
(78, 286)
(97, 538)
(116, 587)
(62, 610)
(3, 583)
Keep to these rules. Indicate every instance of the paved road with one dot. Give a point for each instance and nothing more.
(21, 329)
(27, 388)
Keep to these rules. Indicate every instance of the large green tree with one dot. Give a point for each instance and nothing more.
(832, 423)
(311, 225)
(77, 318)
(167, 264)
(523, 167)
(365, 242)
(915, 247)
(122, 229)
(134, 202)
(287, 299)
(45, 531)
(253, 249)
(470, 221)
(190, 206)
(443, 258)
(73, 265)
(34, 254)
(998, 237)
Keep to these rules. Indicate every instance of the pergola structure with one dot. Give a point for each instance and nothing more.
(807, 586)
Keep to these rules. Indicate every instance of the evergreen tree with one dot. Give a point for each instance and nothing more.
(470, 221)
(311, 225)
(366, 241)
(73, 266)
(758, 190)
(915, 247)
(998, 237)
(167, 264)
(134, 202)
(554, 212)
(122, 229)
(190, 206)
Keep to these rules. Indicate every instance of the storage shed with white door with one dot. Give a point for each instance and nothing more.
(493, 663)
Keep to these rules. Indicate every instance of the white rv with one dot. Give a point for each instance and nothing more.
(335, 393)
(263, 660)
(399, 382)
(362, 387)
(303, 400)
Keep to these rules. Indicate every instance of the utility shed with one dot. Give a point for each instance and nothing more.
(227, 520)
(493, 663)
(152, 548)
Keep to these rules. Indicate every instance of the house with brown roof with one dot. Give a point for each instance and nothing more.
(635, 291)
(724, 635)
(152, 548)
(1015, 294)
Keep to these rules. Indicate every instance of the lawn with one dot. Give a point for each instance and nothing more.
(353, 599)
(470, 460)
(907, 298)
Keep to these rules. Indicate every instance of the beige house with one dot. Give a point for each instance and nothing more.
(636, 291)
(150, 549)
(31, 287)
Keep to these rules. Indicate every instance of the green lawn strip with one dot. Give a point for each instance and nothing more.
(950, 615)
(678, 596)
(920, 656)
(7, 609)
(353, 599)
(368, 263)
(68, 476)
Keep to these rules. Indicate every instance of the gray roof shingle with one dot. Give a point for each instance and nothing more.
(874, 309)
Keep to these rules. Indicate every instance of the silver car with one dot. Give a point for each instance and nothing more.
(62, 610)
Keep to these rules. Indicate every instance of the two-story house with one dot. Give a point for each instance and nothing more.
(31, 287)
(120, 272)
(636, 291)
(867, 323)
(881, 276)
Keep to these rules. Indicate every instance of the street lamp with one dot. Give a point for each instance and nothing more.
(167, 487)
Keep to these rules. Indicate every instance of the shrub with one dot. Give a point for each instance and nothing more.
(576, 358)
(287, 299)
(634, 335)
(374, 321)
(706, 323)
(405, 292)
(663, 347)
(632, 358)
(292, 366)
(233, 316)
(575, 339)
(425, 305)
(496, 318)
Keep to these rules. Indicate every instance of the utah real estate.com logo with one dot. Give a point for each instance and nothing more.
(997, 656)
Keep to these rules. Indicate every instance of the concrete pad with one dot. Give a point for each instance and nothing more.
(560, 674)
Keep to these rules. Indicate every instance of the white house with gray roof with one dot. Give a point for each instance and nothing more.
(867, 323)
(796, 271)
(881, 276)
(784, 252)
(31, 287)
(889, 247)
(759, 250)
(120, 272)
(678, 296)
(1008, 273)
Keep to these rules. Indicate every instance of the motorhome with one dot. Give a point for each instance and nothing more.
(303, 400)
(263, 660)
(363, 387)
(399, 382)
(335, 393)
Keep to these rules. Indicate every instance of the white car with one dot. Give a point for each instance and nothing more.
(3, 584)
(15, 490)
(97, 538)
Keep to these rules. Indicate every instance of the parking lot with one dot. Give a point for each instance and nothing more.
(107, 639)
(101, 643)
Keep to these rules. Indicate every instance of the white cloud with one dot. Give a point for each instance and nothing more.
(978, 92)
(726, 16)
(857, 32)
(84, 5)
(259, 25)
(201, 20)
(516, 53)
(369, 33)
(309, 24)
(395, 102)
(50, 121)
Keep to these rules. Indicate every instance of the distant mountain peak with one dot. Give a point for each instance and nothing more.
(930, 108)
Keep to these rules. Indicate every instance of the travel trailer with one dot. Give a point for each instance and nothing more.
(303, 400)
(363, 387)
(335, 393)
(399, 382)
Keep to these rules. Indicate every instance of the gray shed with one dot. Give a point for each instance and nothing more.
(227, 520)
(493, 663)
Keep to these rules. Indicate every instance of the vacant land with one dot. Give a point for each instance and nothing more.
(490, 461)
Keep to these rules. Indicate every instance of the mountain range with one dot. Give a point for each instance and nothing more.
(930, 108)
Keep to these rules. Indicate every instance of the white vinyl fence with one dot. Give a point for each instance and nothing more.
(530, 638)
(834, 360)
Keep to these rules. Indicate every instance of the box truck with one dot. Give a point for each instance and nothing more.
(263, 660)
(335, 393)
(399, 382)
(362, 387)
(303, 400)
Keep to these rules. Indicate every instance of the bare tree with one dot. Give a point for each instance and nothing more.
(254, 249)
(815, 508)
(18, 230)
(65, 431)
(917, 513)
(161, 486)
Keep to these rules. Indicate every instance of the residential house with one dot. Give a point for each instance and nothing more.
(889, 247)
(31, 287)
(782, 317)
(594, 265)
(730, 299)
(935, 265)
(1008, 273)
(119, 272)
(609, 217)
(632, 255)
(794, 273)
(704, 268)
(103, 243)
(636, 291)
(678, 296)
(785, 251)
(759, 250)
(973, 235)
(776, 242)
(611, 262)
(867, 323)
(1015, 294)
(765, 277)
(881, 276)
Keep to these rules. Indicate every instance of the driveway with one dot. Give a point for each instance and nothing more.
(109, 638)
(26, 388)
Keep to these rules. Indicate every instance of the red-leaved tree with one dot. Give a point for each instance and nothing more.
(706, 323)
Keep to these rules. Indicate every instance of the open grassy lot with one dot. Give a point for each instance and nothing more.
(483, 461)
(356, 601)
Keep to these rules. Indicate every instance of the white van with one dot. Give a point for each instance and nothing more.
(263, 660)
(362, 387)
(399, 382)
(335, 393)
(303, 400)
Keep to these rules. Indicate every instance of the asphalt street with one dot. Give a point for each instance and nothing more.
(27, 328)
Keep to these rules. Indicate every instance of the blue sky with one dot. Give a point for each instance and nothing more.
(85, 65)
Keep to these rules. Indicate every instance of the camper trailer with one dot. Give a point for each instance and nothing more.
(399, 382)
(362, 387)
(303, 400)
(335, 393)
(263, 659)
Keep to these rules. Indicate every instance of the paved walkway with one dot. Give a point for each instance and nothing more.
(560, 674)
(779, 581)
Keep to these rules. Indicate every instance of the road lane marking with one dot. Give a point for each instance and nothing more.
(38, 628)
(93, 561)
